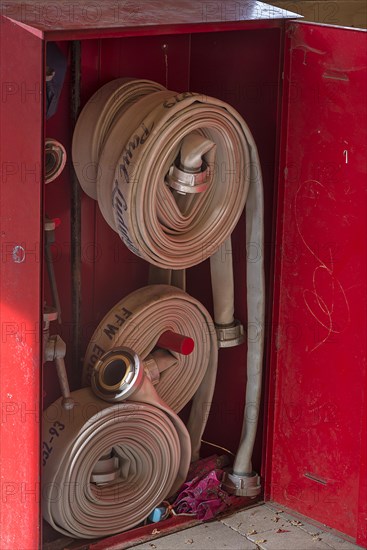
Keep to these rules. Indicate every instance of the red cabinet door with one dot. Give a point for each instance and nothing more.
(318, 434)
(21, 161)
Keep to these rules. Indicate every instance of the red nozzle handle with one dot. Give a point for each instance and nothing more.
(176, 342)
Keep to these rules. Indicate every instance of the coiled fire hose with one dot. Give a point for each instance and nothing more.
(138, 321)
(105, 467)
(173, 170)
(108, 463)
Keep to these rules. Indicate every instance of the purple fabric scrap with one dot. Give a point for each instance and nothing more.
(202, 496)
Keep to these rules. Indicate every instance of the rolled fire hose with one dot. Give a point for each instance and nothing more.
(138, 321)
(145, 163)
(105, 468)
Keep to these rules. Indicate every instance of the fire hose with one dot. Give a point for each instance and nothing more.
(138, 321)
(108, 463)
(172, 178)
(174, 175)
(171, 173)
(106, 467)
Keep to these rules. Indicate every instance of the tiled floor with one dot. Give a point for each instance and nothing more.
(262, 527)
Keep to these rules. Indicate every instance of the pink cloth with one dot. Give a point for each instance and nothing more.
(202, 495)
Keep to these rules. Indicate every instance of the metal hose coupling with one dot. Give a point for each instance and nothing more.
(191, 173)
(117, 375)
(230, 335)
(55, 154)
(246, 485)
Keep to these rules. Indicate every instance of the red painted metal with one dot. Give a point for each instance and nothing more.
(316, 441)
(21, 160)
(236, 56)
(59, 20)
(149, 532)
(176, 342)
(137, 536)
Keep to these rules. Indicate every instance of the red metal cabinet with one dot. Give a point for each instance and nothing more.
(301, 88)
(318, 451)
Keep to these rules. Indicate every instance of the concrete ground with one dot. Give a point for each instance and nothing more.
(264, 527)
